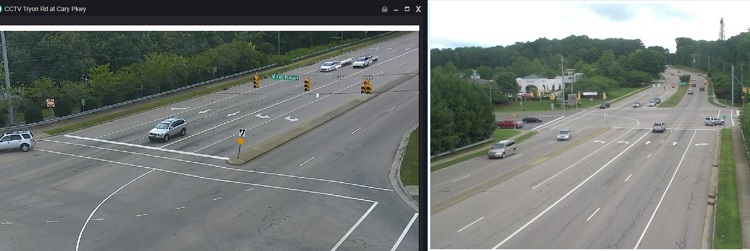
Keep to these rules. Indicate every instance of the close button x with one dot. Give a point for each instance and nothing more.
(418, 10)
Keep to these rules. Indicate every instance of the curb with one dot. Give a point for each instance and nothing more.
(708, 224)
(293, 133)
(394, 175)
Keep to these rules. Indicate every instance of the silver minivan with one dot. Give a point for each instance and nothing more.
(713, 120)
(502, 149)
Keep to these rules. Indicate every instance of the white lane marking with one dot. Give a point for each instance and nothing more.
(78, 242)
(308, 160)
(97, 219)
(567, 194)
(232, 114)
(283, 101)
(665, 191)
(356, 130)
(403, 234)
(517, 156)
(354, 227)
(6, 223)
(222, 167)
(204, 111)
(391, 109)
(178, 208)
(402, 63)
(599, 141)
(605, 145)
(550, 122)
(146, 147)
(626, 179)
(649, 155)
(674, 143)
(248, 190)
(662, 142)
(139, 215)
(179, 108)
(701, 144)
(648, 142)
(461, 178)
(53, 221)
(217, 199)
(462, 229)
(205, 178)
(592, 215)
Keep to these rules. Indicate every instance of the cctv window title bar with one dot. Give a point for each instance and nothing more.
(216, 7)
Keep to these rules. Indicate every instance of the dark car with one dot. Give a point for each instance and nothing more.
(658, 100)
(531, 119)
(509, 123)
(604, 105)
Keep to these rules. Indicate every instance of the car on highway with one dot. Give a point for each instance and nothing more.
(713, 120)
(658, 100)
(510, 123)
(502, 149)
(364, 61)
(17, 140)
(328, 66)
(167, 128)
(565, 134)
(652, 103)
(637, 104)
(531, 119)
(604, 105)
(659, 127)
(693, 85)
(702, 88)
(690, 91)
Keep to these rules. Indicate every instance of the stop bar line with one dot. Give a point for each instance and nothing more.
(146, 147)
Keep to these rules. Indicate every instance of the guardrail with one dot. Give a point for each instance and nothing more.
(56, 119)
(461, 148)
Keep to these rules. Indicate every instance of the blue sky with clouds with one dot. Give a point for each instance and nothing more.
(656, 23)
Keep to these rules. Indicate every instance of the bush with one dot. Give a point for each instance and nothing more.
(63, 107)
(3, 119)
(33, 114)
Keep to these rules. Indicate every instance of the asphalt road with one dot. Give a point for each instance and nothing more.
(615, 185)
(109, 188)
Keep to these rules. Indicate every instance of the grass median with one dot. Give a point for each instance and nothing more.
(728, 228)
(117, 113)
(410, 162)
(480, 150)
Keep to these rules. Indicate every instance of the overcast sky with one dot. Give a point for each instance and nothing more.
(656, 23)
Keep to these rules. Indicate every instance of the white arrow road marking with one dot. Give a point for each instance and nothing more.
(218, 198)
(599, 141)
(389, 48)
(53, 221)
(204, 111)
(623, 142)
(232, 114)
(141, 215)
(178, 208)
(648, 142)
(6, 223)
(290, 118)
(701, 144)
(262, 116)
(674, 143)
(179, 108)
(317, 95)
(98, 219)
(248, 190)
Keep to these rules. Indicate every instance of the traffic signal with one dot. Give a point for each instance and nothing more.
(257, 81)
(307, 84)
(367, 87)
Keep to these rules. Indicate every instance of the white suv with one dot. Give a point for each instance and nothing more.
(167, 128)
(23, 140)
(713, 120)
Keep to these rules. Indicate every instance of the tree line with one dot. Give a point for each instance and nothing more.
(605, 63)
(110, 67)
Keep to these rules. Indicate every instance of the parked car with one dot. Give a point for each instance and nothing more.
(637, 104)
(167, 128)
(510, 123)
(502, 149)
(531, 119)
(659, 127)
(713, 120)
(604, 105)
(565, 134)
(21, 140)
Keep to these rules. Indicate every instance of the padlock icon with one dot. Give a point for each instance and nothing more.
(385, 9)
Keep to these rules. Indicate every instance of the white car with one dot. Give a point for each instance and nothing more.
(328, 66)
(23, 140)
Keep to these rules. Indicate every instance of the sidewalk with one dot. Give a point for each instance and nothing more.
(743, 184)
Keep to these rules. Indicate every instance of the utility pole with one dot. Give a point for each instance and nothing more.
(278, 41)
(562, 79)
(11, 116)
(732, 84)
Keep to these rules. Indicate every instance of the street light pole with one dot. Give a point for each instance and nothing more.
(562, 79)
(11, 116)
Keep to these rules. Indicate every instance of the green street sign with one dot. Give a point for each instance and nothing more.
(284, 77)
